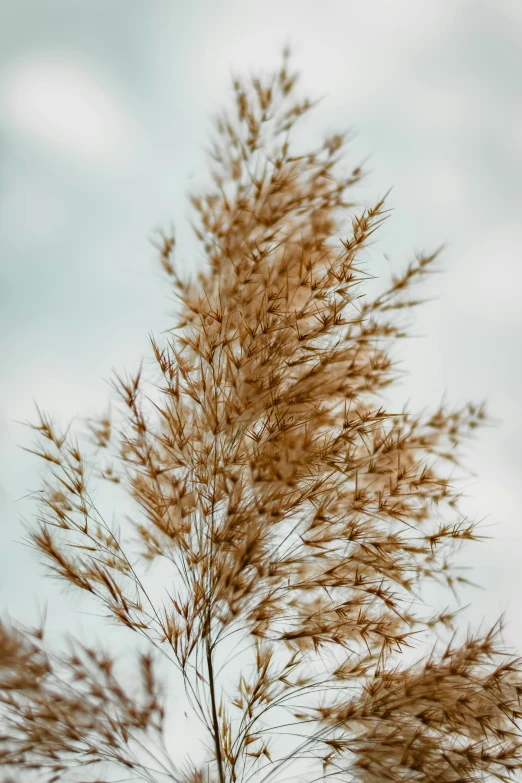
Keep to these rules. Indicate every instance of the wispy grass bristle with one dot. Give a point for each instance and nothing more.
(300, 518)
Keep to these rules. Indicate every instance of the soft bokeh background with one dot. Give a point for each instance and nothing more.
(104, 114)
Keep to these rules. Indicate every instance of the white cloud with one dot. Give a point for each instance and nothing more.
(351, 49)
(64, 104)
(34, 211)
(491, 274)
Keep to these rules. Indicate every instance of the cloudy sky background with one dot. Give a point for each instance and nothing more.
(104, 114)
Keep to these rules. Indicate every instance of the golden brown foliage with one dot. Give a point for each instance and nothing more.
(300, 518)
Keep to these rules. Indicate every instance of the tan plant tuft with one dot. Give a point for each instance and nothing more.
(300, 519)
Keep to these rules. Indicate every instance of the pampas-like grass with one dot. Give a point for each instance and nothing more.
(300, 518)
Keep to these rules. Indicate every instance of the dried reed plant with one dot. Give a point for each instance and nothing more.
(300, 520)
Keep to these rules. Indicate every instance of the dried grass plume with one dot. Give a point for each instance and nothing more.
(300, 519)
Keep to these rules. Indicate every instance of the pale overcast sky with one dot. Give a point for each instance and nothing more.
(104, 113)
